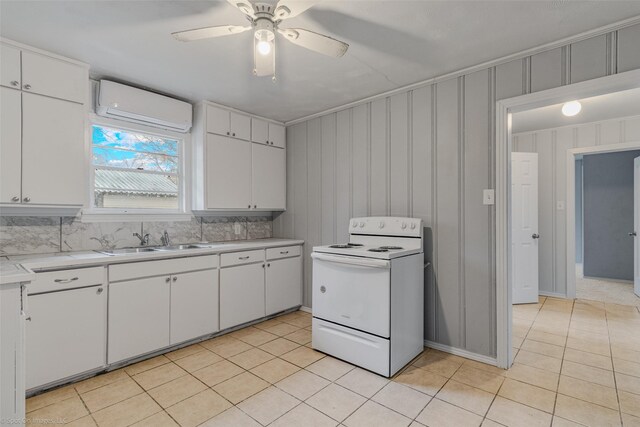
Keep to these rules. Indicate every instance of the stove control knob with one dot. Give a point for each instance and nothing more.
(413, 225)
(404, 225)
(381, 225)
(361, 224)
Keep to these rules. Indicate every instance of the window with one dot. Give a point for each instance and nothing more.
(134, 170)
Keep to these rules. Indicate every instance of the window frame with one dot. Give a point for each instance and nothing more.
(91, 213)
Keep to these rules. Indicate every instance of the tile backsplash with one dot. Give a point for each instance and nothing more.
(21, 235)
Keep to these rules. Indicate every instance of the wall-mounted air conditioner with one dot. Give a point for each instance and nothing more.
(131, 104)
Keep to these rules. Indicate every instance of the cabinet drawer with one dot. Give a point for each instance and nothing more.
(64, 279)
(161, 267)
(238, 258)
(285, 252)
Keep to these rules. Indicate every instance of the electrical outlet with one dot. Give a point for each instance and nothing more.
(488, 197)
(237, 228)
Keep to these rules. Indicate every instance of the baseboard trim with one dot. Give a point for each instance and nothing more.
(462, 353)
(552, 294)
(305, 309)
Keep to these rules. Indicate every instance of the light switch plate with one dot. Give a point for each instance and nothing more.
(488, 197)
(237, 228)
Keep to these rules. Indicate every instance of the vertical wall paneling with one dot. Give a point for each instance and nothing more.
(627, 54)
(328, 173)
(379, 168)
(360, 160)
(428, 153)
(564, 140)
(589, 59)
(546, 70)
(399, 154)
(477, 148)
(448, 215)
(343, 175)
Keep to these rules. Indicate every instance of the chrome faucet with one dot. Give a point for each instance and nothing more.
(165, 239)
(144, 240)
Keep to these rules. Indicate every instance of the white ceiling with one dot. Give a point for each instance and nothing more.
(393, 43)
(604, 107)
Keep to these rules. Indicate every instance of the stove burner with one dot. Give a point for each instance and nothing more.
(378, 250)
(341, 246)
(391, 247)
(355, 245)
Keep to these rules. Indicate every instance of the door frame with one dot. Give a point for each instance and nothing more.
(572, 156)
(504, 110)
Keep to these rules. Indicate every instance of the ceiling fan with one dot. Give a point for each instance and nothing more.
(265, 19)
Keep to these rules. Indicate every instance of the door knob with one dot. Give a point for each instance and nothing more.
(15, 199)
(27, 87)
(535, 236)
(633, 234)
(15, 83)
(27, 199)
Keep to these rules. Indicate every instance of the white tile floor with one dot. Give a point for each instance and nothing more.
(575, 364)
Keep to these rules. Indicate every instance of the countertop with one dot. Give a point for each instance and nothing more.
(29, 263)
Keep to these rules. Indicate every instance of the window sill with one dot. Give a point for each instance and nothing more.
(96, 216)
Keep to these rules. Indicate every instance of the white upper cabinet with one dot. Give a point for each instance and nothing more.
(277, 135)
(53, 162)
(10, 145)
(264, 132)
(228, 173)
(10, 66)
(269, 177)
(52, 77)
(224, 122)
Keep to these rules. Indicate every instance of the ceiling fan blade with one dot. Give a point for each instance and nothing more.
(208, 32)
(264, 64)
(244, 6)
(314, 41)
(286, 9)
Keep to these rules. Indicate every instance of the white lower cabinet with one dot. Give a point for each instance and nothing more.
(12, 388)
(138, 317)
(66, 334)
(194, 305)
(283, 284)
(241, 294)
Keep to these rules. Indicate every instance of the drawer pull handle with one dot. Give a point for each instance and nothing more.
(66, 280)
(284, 252)
(243, 257)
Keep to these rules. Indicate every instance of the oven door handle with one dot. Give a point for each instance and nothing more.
(358, 262)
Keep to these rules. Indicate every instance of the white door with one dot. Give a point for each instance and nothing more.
(636, 225)
(194, 305)
(241, 294)
(218, 120)
(138, 317)
(228, 173)
(240, 126)
(259, 131)
(283, 285)
(269, 177)
(10, 145)
(53, 155)
(277, 135)
(53, 77)
(524, 226)
(65, 342)
(9, 66)
(353, 292)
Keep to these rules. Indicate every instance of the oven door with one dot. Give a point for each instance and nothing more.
(353, 292)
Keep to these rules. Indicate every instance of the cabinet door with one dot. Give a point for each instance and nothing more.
(241, 294)
(9, 66)
(218, 120)
(277, 135)
(228, 173)
(10, 145)
(66, 335)
(53, 160)
(240, 126)
(138, 317)
(259, 131)
(269, 177)
(11, 354)
(194, 305)
(53, 77)
(283, 284)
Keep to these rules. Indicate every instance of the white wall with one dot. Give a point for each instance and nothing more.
(551, 146)
(428, 152)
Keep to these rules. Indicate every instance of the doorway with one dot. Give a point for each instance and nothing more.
(504, 249)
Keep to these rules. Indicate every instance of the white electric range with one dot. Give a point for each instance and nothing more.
(368, 294)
